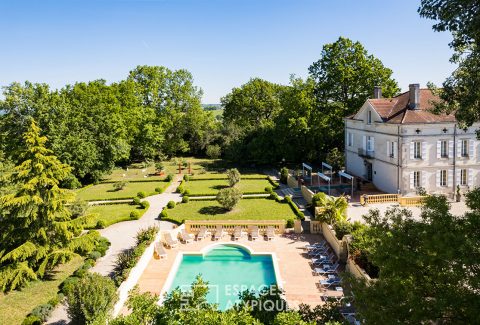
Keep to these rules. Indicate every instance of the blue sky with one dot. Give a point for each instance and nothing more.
(222, 42)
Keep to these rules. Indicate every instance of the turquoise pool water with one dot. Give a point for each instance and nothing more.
(229, 270)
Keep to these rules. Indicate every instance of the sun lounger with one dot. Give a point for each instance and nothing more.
(314, 246)
(326, 269)
(319, 252)
(270, 234)
(218, 233)
(160, 250)
(237, 233)
(330, 282)
(185, 236)
(169, 241)
(254, 233)
(202, 233)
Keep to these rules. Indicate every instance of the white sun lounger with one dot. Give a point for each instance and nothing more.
(218, 233)
(254, 233)
(185, 236)
(326, 270)
(270, 234)
(169, 241)
(237, 233)
(202, 233)
(160, 250)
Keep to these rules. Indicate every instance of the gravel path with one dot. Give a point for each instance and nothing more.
(122, 236)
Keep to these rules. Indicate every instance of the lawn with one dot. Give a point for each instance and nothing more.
(112, 213)
(247, 209)
(105, 191)
(211, 187)
(133, 173)
(15, 305)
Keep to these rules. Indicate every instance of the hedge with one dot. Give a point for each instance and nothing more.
(135, 181)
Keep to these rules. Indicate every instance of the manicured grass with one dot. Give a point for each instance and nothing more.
(198, 165)
(15, 305)
(223, 175)
(106, 191)
(112, 213)
(247, 209)
(133, 174)
(211, 187)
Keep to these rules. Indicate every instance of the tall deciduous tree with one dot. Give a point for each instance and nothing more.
(460, 90)
(36, 232)
(429, 268)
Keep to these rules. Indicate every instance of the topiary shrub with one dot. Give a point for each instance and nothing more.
(185, 199)
(171, 204)
(158, 190)
(284, 175)
(186, 178)
(229, 197)
(141, 194)
(290, 223)
(100, 224)
(145, 204)
(233, 176)
(186, 192)
(269, 189)
(134, 215)
(91, 299)
(136, 201)
(163, 214)
(169, 178)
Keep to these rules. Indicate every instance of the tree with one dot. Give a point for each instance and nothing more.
(36, 232)
(460, 90)
(229, 197)
(233, 176)
(91, 298)
(429, 268)
(118, 186)
(336, 159)
(214, 151)
(334, 209)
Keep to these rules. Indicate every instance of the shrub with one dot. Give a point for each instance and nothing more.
(91, 299)
(186, 192)
(186, 178)
(159, 167)
(185, 199)
(171, 204)
(32, 320)
(71, 182)
(141, 194)
(274, 196)
(145, 204)
(233, 176)
(213, 151)
(136, 200)
(42, 311)
(229, 197)
(290, 223)
(146, 235)
(102, 245)
(342, 228)
(163, 214)
(100, 224)
(284, 175)
(82, 270)
(117, 186)
(67, 284)
(180, 188)
(269, 189)
(94, 255)
(158, 189)
(78, 208)
(134, 215)
(169, 178)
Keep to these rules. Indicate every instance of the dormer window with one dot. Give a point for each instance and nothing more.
(369, 117)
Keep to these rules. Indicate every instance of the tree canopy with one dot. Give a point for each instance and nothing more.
(429, 268)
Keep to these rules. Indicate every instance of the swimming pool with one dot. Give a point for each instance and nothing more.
(229, 269)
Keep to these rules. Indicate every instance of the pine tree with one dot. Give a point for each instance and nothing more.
(36, 232)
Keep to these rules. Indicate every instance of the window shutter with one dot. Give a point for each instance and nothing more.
(439, 149)
(450, 177)
(450, 149)
(437, 179)
(388, 149)
(412, 183)
(424, 184)
(373, 144)
(395, 149)
(471, 152)
(470, 177)
(364, 142)
(458, 176)
(459, 148)
(424, 150)
(412, 149)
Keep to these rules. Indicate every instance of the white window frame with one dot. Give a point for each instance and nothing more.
(417, 150)
(417, 179)
(369, 117)
(463, 177)
(443, 178)
(465, 148)
(443, 149)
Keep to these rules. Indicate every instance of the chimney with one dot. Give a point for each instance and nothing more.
(377, 92)
(414, 94)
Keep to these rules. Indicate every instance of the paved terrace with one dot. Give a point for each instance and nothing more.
(299, 283)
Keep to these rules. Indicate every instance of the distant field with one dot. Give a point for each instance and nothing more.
(247, 209)
(106, 191)
(211, 187)
(217, 113)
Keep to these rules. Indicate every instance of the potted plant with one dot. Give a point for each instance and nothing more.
(458, 196)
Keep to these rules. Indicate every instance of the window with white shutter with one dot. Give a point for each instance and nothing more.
(463, 177)
(470, 177)
(364, 142)
(439, 149)
(443, 149)
(443, 176)
(450, 178)
(471, 152)
(450, 149)
(424, 151)
(464, 148)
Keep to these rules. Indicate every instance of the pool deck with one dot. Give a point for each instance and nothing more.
(299, 282)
